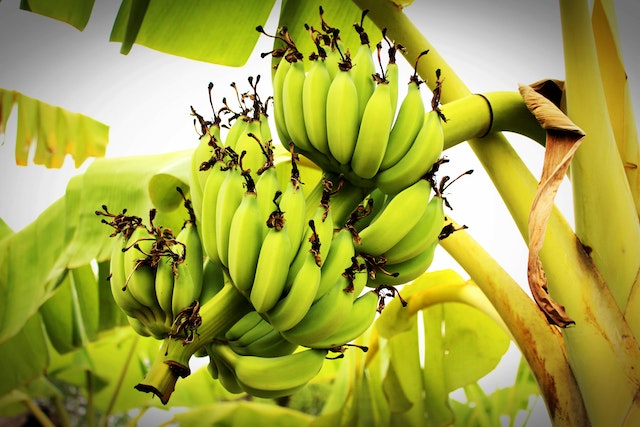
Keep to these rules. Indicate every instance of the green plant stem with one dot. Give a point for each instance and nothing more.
(104, 419)
(540, 343)
(63, 414)
(38, 413)
(474, 116)
(172, 362)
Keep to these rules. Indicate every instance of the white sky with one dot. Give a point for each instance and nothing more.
(145, 97)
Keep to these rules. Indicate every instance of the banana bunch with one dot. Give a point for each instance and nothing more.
(399, 238)
(158, 279)
(266, 377)
(340, 113)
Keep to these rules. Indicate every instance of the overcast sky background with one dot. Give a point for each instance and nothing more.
(145, 97)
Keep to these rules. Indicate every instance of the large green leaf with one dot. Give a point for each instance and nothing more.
(68, 234)
(73, 12)
(204, 30)
(24, 356)
(56, 131)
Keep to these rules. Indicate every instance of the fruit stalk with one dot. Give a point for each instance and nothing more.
(172, 361)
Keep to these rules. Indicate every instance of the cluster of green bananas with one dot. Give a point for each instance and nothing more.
(157, 277)
(341, 113)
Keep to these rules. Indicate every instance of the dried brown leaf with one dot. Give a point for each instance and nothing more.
(563, 139)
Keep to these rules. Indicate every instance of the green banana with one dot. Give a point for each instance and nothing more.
(405, 271)
(293, 205)
(209, 205)
(245, 239)
(424, 152)
(212, 280)
(272, 344)
(422, 235)
(343, 120)
(242, 326)
(292, 89)
(229, 198)
(278, 102)
(364, 68)
(406, 126)
(267, 187)
(225, 372)
(375, 202)
(201, 155)
(314, 104)
(250, 142)
(374, 132)
(279, 373)
(337, 261)
(261, 329)
(238, 128)
(325, 315)
(187, 284)
(359, 319)
(272, 269)
(165, 277)
(140, 276)
(292, 307)
(138, 326)
(399, 216)
(117, 280)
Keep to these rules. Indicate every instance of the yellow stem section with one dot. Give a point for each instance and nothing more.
(605, 215)
(540, 343)
(602, 350)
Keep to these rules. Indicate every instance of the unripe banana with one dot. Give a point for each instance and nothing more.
(424, 152)
(278, 102)
(421, 236)
(279, 373)
(242, 326)
(208, 214)
(293, 306)
(117, 280)
(362, 73)
(212, 280)
(374, 133)
(238, 128)
(261, 329)
(292, 89)
(165, 277)
(201, 154)
(267, 186)
(250, 142)
(272, 344)
(138, 326)
(335, 55)
(188, 282)
(245, 239)
(391, 76)
(400, 215)
(406, 126)
(337, 261)
(140, 276)
(272, 269)
(293, 205)
(343, 120)
(360, 318)
(405, 271)
(229, 198)
(314, 104)
(375, 202)
(265, 130)
(324, 317)
(225, 372)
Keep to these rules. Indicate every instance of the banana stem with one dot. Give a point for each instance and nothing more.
(172, 362)
(540, 343)
(474, 116)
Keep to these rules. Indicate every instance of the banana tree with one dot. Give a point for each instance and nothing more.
(576, 332)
